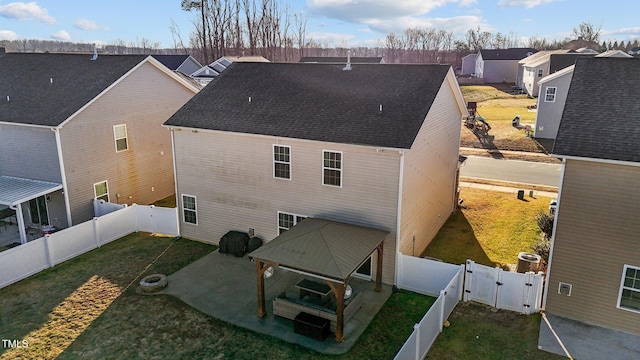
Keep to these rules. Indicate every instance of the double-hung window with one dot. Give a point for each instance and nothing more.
(282, 162)
(101, 191)
(332, 168)
(286, 221)
(550, 94)
(629, 296)
(540, 72)
(120, 135)
(189, 211)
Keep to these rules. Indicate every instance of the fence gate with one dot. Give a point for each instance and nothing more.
(502, 289)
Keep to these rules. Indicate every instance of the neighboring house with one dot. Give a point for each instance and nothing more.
(594, 266)
(469, 64)
(342, 59)
(552, 95)
(73, 129)
(561, 61)
(533, 68)
(500, 65)
(184, 64)
(207, 73)
(635, 51)
(269, 144)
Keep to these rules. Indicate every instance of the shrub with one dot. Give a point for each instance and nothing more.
(545, 223)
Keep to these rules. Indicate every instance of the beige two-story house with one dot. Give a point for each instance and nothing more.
(270, 144)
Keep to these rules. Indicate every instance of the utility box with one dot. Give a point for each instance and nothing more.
(553, 205)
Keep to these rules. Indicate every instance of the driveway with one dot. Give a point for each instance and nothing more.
(517, 171)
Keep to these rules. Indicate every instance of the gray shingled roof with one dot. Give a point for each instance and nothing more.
(558, 62)
(341, 59)
(318, 102)
(322, 247)
(601, 118)
(45, 89)
(172, 62)
(506, 54)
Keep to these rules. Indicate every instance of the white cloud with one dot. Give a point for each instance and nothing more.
(8, 35)
(331, 39)
(458, 24)
(631, 31)
(26, 11)
(528, 4)
(360, 10)
(85, 24)
(61, 35)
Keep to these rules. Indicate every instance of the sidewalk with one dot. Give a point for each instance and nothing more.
(513, 190)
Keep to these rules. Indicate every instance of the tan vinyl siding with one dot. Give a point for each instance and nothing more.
(29, 152)
(596, 235)
(429, 174)
(231, 176)
(143, 101)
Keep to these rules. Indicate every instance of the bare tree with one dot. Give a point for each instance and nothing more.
(201, 6)
(587, 32)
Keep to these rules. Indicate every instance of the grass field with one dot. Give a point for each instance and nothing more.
(492, 230)
(499, 108)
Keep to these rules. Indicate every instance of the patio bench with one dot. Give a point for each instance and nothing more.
(289, 307)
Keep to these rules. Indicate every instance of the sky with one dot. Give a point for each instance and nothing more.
(346, 23)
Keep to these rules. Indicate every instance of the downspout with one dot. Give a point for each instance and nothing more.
(175, 180)
(553, 235)
(63, 174)
(399, 213)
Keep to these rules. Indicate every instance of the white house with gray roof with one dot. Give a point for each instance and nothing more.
(269, 144)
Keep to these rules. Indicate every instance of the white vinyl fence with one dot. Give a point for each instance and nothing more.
(429, 277)
(30, 258)
(502, 289)
(492, 286)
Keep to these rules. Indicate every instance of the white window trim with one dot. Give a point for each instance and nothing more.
(341, 167)
(281, 162)
(555, 94)
(95, 194)
(622, 287)
(115, 137)
(195, 202)
(295, 220)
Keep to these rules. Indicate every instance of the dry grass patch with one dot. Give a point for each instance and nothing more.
(492, 230)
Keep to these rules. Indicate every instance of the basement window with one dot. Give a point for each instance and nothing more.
(629, 296)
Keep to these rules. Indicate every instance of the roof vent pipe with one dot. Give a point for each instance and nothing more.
(348, 66)
(95, 53)
(7, 98)
(51, 80)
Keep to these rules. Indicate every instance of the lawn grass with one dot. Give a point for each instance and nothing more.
(480, 332)
(89, 307)
(169, 201)
(499, 108)
(492, 230)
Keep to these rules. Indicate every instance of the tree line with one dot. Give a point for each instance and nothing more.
(269, 28)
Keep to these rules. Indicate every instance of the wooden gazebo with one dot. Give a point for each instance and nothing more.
(327, 250)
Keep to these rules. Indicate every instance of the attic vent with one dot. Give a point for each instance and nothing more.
(564, 289)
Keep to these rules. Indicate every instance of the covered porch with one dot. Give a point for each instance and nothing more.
(16, 224)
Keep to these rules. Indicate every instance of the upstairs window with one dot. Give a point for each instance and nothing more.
(101, 191)
(550, 94)
(281, 162)
(332, 168)
(540, 72)
(120, 134)
(629, 296)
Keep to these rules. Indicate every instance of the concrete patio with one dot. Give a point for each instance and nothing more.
(568, 337)
(224, 287)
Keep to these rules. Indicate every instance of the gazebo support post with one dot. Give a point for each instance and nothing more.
(378, 288)
(338, 290)
(260, 276)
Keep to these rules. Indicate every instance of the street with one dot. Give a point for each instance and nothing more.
(525, 172)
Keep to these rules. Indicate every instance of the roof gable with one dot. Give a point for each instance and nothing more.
(561, 61)
(601, 118)
(46, 89)
(172, 62)
(318, 102)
